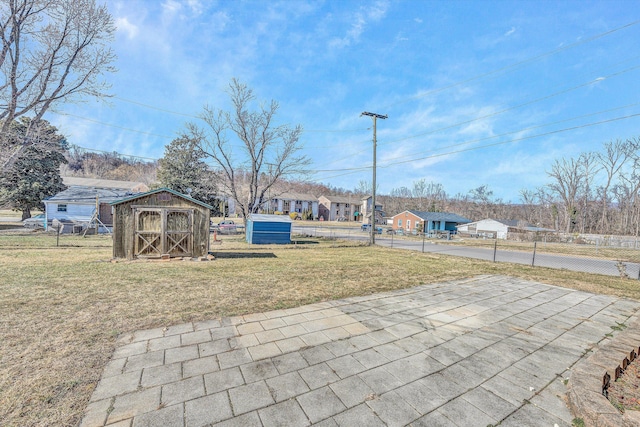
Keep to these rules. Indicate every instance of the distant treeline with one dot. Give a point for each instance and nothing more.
(595, 192)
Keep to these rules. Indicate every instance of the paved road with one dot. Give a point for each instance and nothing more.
(582, 264)
(476, 352)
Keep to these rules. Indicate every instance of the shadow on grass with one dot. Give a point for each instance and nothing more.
(304, 242)
(220, 255)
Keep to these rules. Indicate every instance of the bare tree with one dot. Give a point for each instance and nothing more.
(267, 153)
(363, 188)
(590, 168)
(567, 181)
(483, 201)
(616, 154)
(53, 51)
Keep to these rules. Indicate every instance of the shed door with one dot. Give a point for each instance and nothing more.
(179, 233)
(163, 231)
(148, 233)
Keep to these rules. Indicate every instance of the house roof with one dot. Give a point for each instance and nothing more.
(87, 195)
(296, 196)
(515, 223)
(175, 193)
(343, 199)
(440, 216)
(74, 181)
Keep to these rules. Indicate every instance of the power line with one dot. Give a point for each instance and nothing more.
(114, 152)
(486, 116)
(521, 130)
(514, 140)
(496, 112)
(141, 104)
(514, 65)
(152, 107)
(111, 125)
(354, 170)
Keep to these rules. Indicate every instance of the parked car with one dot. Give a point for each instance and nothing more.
(34, 222)
(227, 227)
(367, 227)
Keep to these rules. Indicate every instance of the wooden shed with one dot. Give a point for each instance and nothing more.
(160, 222)
(267, 229)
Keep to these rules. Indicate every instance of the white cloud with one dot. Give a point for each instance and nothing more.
(195, 6)
(123, 25)
(171, 7)
(418, 20)
(511, 31)
(359, 21)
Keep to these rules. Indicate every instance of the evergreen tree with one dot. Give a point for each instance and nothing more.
(35, 174)
(183, 170)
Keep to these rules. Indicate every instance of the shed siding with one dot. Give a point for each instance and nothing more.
(262, 230)
(124, 222)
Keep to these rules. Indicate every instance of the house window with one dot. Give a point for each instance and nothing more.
(399, 223)
(62, 208)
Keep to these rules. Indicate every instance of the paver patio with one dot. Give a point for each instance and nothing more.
(474, 352)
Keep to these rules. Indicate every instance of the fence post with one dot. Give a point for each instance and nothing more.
(423, 237)
(392, 239)
(495, 249)
(533, 260)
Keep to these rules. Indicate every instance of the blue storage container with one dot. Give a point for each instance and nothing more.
(268, 229)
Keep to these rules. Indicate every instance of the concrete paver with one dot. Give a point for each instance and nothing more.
(473, 352)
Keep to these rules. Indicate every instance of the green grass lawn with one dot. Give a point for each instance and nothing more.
(62, 307)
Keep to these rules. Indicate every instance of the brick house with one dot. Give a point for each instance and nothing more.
(413, 221)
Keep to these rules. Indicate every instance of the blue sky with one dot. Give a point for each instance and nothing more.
(476, 92)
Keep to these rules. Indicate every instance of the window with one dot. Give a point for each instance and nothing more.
(399, 223)
(408, 224)
(62, 208)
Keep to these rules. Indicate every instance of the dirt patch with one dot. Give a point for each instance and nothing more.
(624, 393)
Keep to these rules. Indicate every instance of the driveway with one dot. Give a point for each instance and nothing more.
(482, 351)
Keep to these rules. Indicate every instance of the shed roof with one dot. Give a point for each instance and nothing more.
(440, 216)
(270, 218)
(175, 193)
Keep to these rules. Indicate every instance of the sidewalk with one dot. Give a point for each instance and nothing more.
(473, 352)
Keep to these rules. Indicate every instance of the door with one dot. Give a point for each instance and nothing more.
(178, 233)
(148, 233)
(163, 231)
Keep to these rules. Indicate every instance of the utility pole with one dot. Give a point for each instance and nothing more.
(374, 116)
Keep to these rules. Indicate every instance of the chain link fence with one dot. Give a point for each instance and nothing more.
(608, 255)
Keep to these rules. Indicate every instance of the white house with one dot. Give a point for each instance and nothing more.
(498, 228)
(293, 202)
(86, 197)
